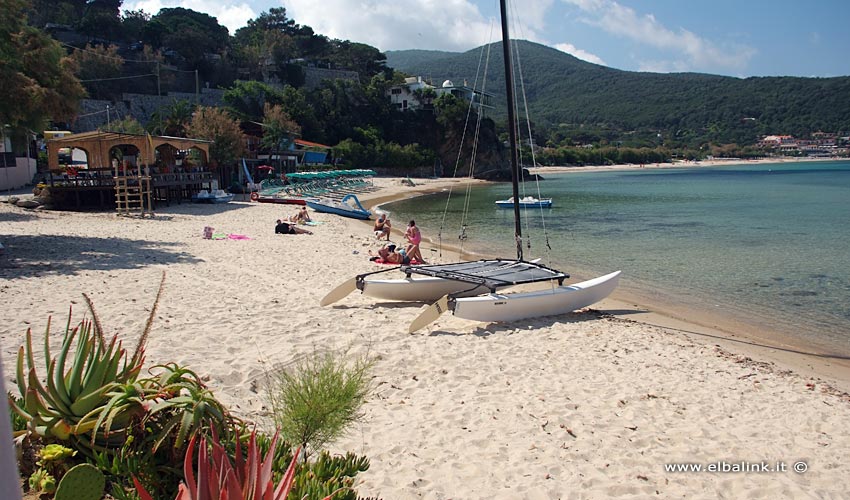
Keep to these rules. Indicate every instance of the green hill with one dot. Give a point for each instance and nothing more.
(563, 90)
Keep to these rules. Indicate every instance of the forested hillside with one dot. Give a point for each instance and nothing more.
(693, 108)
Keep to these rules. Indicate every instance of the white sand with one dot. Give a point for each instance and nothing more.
(585, 405)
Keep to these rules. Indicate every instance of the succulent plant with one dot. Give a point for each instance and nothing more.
(82, 482)
(53, 453)
(72, 401)
(93, 401)
(41, 480)
(188, 406)
(222, 478)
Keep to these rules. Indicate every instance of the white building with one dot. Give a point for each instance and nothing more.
(409, 95)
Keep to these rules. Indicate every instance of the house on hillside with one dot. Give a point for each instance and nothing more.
(415, 93)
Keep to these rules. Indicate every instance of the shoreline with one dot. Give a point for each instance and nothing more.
(636, 304)
(557, 169)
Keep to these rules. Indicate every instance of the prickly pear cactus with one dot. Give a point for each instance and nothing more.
(83, 482)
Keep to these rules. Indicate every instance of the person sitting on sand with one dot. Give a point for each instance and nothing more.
(414, 238)
(303, 216)
(382, 227)
(288, 228)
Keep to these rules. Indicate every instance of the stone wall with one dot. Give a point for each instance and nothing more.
(93, 114)
(313, 76)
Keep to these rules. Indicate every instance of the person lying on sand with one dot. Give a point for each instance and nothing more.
(388, 254)
(289, 228)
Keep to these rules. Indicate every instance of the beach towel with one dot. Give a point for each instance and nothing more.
(225, 236)
(379, 260)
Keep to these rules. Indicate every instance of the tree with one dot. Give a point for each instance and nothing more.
(127, 125)
(172, 120)
(214, 124)
(247, 100)
(190, 34)
(278, 128)
(96, 66)
(37, 79)
(102, 19)
(133, 23)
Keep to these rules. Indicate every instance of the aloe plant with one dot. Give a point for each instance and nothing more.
(93, 400)
(188, 406)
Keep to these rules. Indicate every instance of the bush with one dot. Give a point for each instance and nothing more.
(314, 401)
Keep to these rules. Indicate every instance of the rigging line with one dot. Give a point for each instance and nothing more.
(460, 148)
(534, 158)
(531, 142)
(118, 78)
(475, 144)
(527, 219)
(92, 113)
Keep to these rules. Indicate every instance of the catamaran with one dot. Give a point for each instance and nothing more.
(474, 289)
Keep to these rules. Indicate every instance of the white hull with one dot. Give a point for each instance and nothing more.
(516, 306)
(425, 289)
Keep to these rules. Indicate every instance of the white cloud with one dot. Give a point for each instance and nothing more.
(581, 54)
(400, 24)
(232, 15)
(700, 54)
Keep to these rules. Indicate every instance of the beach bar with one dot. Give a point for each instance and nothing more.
(177, 167)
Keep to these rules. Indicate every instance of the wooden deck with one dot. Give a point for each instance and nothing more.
(95, 188)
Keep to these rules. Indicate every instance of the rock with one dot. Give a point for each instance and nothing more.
(28, 204)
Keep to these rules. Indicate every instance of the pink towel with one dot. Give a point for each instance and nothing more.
(237, 237)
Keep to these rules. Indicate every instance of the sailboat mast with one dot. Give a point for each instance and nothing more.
(509, 95)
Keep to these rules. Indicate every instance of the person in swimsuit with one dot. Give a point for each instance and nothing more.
(303, 216)
(414, 238)
(389, 255)
(287, 228)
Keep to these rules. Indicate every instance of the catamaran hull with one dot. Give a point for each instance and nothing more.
(426, 289)
(516, 306)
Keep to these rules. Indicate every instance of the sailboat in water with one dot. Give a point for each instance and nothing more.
(472, 290)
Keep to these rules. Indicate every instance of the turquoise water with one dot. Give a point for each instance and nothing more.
(769, 241)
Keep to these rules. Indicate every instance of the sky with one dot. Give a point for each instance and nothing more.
(738, 38)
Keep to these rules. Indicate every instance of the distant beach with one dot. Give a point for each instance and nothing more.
(676, 164)
(599, 403)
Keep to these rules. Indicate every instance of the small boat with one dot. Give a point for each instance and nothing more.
(354, 209)
(278, 198)
(217, 196)
(525, 202)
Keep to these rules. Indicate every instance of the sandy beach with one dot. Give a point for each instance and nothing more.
(595, 404)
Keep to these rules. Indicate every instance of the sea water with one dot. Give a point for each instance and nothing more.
(769, 242)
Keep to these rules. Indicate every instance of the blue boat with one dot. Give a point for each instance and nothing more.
(526, 202)
(354, 209)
